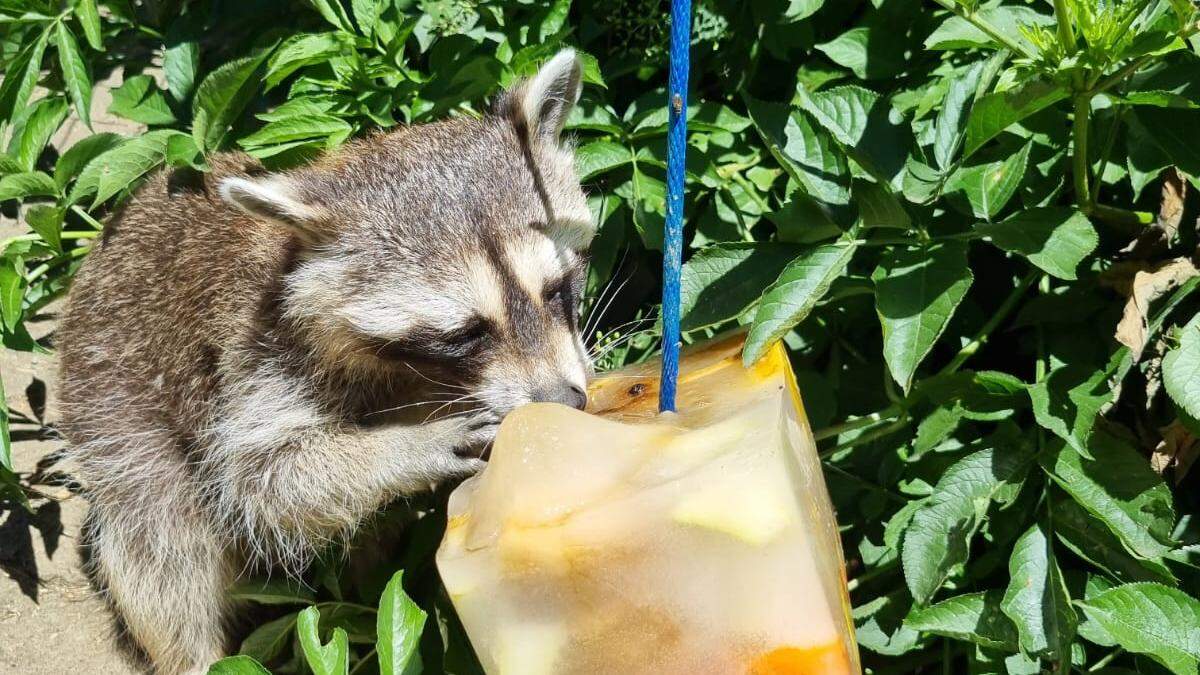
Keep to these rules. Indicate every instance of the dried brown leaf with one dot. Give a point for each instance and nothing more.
(1145, 286)
(1176, 452)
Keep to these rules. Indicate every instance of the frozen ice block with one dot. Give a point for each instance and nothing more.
(621, 540)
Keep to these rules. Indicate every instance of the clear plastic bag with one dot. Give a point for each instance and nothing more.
(624, 541)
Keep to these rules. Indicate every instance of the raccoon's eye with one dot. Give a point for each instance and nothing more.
(560, 296)
(466, 339)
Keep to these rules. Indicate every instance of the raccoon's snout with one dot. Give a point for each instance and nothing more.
(566, 393)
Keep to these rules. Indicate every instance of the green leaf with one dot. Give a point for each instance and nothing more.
(866, 125)
(987, 188)
(789, 300)
(878, 206)
(333, 12)
(324, 659)
(366, 14)
(71, 162)
(268, 640)
(21, 76)
(1056, 239)
(959, 33)
(12, 292)
(6, 463)
(1037, 600)
(139, 99)
(220, 99)
(996, 112)
(181, 63)
(916, 293)
(972, 617)
(1181, 369)
(89, 19)
(399, 627)
(1147, 618)
(806, 153)
(237, 665)
(952, 117)
(1119, 488)
(721, 282)
(74, 72)
(1068, 400)
(1089, 538)
(272, 592)
(871, 52)
(938, 538)
(600, 157)
(647, 199)
(47, 222)
(302, 50)
(34, 130)
(27, 184)
(298, 128)
(118, 168)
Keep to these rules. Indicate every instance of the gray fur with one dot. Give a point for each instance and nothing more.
(241, 360)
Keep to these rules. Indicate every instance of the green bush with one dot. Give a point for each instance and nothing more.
(965, 219)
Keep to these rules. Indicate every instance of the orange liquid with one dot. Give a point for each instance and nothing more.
(829, 659)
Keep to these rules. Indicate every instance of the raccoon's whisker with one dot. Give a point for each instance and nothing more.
(430, 379)
(616, 343)
(461, 399)
(636, 322)
(595, 318)
(601, 296)
(432, 401)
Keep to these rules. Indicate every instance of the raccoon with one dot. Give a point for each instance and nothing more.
(254, 363)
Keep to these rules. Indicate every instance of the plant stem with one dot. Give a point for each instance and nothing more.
(1080, 125)
(1106, 660)
(363, 660)
(1066, 34)
(856, 423)
(40, 270)
(1107, 150)
(998, 317)
(868, 437)
(985, 26)
(908, 241)
(1131, 220)
(87, 217)
(868, 576)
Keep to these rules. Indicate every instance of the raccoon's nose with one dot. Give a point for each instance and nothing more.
(565, 393)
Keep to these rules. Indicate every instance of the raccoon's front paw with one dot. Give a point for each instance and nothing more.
(476, 443)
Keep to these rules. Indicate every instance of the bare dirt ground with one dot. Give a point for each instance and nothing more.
(50, 623)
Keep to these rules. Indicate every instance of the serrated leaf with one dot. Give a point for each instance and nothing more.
(297, 128)
(952, 117)
(1147, 618)
(237, 665)
(789, 300)
(269, 639)
(1119, 488)
(74, 72)
(324, 659)
(12, 292)
(118, 168)
(21, 76)
(1056, 239)
(987, 188)
(600, 157)
(879, 207)
(866, 125)
(34, 130)
(938, 538)
(181, 62)
(333, 12)
(27, 184)
(721, 282)
(1089, 538)
(1068, 400)
(399, 627)
(871, 52)
(71, 162)
(47, 222)
(934, 429)
(879, 625)
(959, 33)
(89, 19)
(1037, 600)
(807, 154)
(971, 617)
(1181, 369)
(139, 99)
(306, 49)
(916, 294)
(220, 99)
(647, 199)
(996, 112)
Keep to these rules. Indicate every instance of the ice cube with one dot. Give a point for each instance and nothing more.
(621, 540)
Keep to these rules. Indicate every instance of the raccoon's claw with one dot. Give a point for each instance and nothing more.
(477, 443)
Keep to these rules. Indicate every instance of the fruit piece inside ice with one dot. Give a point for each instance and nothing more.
(827, 659)
(751, 512)
(529, 648)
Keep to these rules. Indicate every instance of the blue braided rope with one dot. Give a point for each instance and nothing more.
(681, 40)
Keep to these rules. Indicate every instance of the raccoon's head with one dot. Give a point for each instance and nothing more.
(451, 252)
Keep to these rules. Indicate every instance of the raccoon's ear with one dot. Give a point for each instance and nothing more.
(275, 199)
(548, 98)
